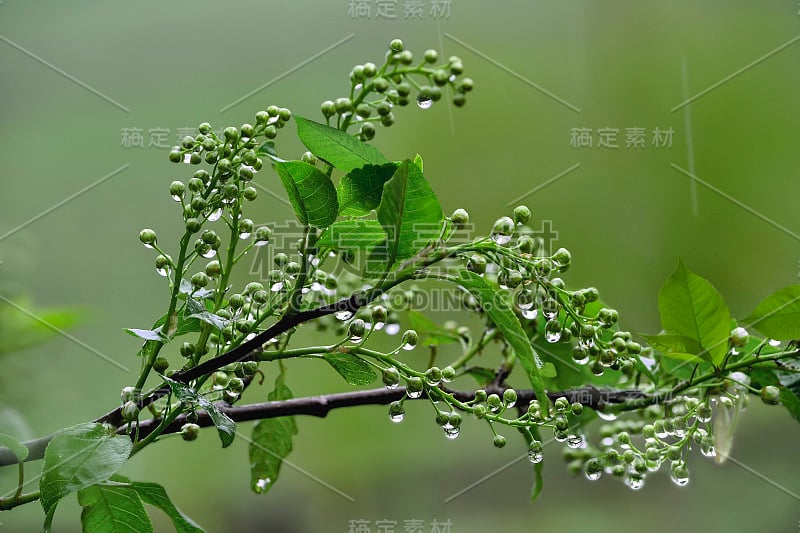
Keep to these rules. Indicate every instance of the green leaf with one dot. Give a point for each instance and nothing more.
(226, 428)
(684, 368)
(311, 193)
(483, 376)
(112, 508)
(272, 442)
(155, 495)
(496, 305)
(78, 457)
(691, 307)
(431, 333)
(18, 330)
(147, 334)
(791, 401)
(352, 235)
(548, 370)
(778, 315)
(419, 163)
(337, 147)
(673, 343)
(355, 371)
(409, 213)
(16, 447)
(360, 191)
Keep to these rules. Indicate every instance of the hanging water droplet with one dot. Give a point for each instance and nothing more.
(535, 454)
(593, 475)
(424, 102)
(343, 315)
(316, 286)
(525, 300)
(392, 329)
(244, 235)
(680, 476)
(774, 342)
(187, 158)
(358, 86)
(414, 394)
(634, 481)
(261, 484)
(576, 442)
(552, 336)
(215, 215)
(396, 418)
(378, 326)
(208, 254)
(277, 286)
(163, 272)
(452, 433)
(530, 314)
(708, 449)
(501, 239)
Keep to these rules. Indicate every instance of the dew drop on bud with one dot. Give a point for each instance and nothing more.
(215, 215)
(208, 254)
(397, 418)
(424, 102)
(343, 315)
(451, 432)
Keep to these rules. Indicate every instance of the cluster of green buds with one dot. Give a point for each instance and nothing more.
(376, 90)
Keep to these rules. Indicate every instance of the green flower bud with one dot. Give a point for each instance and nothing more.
(231, 134)
(189, 431)
(480, 396)
(357, 328)
(477, 264)
(380, 84)
(177, 190)
(561, 404)
(188, 349)
(128, 394)
(494, 403)
(204, 128)
(175, 156)
(367, 131)
(160, 365)
(378, 315)
(396, 45)
(328, 108)
(250, 193)
(739, 337)
(448, 373)
(248, 130)
(479, 411)
(343, 105)
(576, 408)
(460, 218)
(499, 441)
(509, 397)
(522, 214)
(200, 279)
(410, 339)
(129, 411)
(263, 234)
(235, 385)
(148, 237)
(414, 387)
(431, 56)
(433, 375)
(441, 77)
(771, 395)
(253, 287)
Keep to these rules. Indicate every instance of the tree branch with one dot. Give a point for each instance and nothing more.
(320, 406)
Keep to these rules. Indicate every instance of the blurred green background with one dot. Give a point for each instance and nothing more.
(626, 215)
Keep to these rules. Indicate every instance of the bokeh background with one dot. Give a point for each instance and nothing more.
(626, 214)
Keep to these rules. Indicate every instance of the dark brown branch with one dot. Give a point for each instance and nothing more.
(320, 406)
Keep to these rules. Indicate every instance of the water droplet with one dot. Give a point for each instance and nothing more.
(634, 481)
(343, 315)
(261, 484)
(408, 346)
(607, 416)
(501, 239)
(277, 286)
(424, 102)
(250, 336)
(774, 342)
(392, 329)
(679, 477)
(552, 336)
(397, 418)
(607, 442)
(414, 394)
(452, 433)
(378, 326)
(593, 475)
(576, 442)
(357, 338)
(187, 158)
(244, 235)
(535, 455)
(358, 86)
(530, 314)
(708, 450)
(316, 286)
(177, 197)
(215, 215)
(163, 272)
(208, 254)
